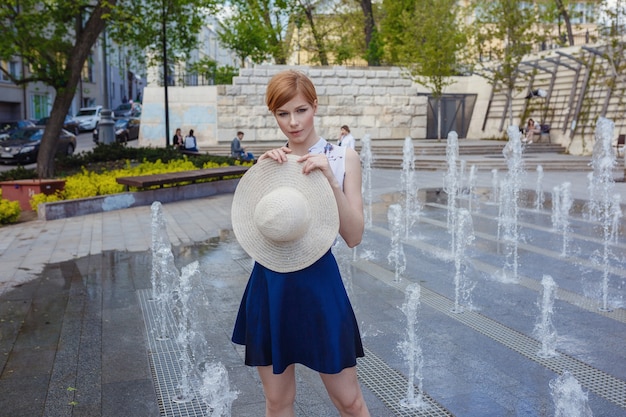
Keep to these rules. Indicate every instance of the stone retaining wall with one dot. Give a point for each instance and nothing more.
(378, 102)
(375, 101)
(82, 206)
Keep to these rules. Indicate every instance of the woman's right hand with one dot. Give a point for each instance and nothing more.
(278, 154)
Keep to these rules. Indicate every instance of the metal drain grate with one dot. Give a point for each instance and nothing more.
(597, 381)
(391, 387)
(164, 363)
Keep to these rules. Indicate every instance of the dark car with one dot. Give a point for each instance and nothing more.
(6, 128)
(125, 129)
(69, 124)
(23, 145)
(127, 110)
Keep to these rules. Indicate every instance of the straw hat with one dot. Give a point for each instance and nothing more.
(284, 219)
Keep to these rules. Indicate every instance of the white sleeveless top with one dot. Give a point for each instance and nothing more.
(336, 157)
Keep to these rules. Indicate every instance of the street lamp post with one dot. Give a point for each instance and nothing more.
(165, 81)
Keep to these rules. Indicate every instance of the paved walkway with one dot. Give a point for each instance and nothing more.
(26, 249)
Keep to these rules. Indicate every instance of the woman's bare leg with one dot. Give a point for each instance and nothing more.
(345, 392)
(280, 391)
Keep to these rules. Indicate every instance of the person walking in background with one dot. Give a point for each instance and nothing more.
(237, 151)
(191, 144)
(286, 213)
(178, 140)
(345, 138)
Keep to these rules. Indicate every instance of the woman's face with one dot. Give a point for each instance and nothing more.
(296, 120)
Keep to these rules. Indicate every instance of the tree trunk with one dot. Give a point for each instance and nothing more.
(368, 14)
(568, 24)
(319, 42)
(438, 117)
(85, 39)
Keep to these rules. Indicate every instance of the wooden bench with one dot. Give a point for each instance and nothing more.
(143, 181)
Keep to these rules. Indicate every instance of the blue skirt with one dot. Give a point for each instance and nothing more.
(298, 317)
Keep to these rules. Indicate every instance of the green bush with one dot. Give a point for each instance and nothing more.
(19, 173)
(105, 153)
(9, 211)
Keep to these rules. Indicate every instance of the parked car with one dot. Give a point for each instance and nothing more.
(6, 128)
(127, 110)
(69, 124)
(88, 117)
(22, 146)
(125, 129)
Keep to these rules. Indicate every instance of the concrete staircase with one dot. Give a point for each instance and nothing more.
(430, 155)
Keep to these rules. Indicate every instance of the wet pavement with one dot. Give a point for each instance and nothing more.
(74, 321)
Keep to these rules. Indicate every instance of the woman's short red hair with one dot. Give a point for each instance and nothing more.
(285, 85)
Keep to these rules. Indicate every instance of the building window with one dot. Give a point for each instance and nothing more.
(87, 72)
(583, 13)
(39, 106)
(12, 68)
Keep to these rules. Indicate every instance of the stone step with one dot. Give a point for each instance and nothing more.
(430, 155)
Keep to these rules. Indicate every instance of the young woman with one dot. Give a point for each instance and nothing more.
(308, 307)
(346, 138)
(178, 140)
(531, 129)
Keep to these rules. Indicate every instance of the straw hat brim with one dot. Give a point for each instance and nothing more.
(266, 176)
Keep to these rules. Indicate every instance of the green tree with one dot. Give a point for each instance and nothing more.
(392, 27)
(501, 40)
(54, 39)
(310, 11)
(244, 33)
(256, 29)
(372, 40)
(210, 70)
(427, 39)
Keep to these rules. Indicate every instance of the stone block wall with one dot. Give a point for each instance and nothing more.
(374, 101)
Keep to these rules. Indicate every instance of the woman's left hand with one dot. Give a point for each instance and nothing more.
(311, 162)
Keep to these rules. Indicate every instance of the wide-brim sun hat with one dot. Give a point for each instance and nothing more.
(285, 220)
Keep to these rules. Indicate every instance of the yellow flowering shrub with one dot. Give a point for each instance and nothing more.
(90, 184)
(43, 198)
(9, 211)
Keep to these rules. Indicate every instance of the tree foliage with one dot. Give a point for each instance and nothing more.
(210, 70)
(256, 29)
(54, 39)
(502, 39)
(426, 38)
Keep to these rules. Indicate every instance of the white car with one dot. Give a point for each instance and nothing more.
(88, 117)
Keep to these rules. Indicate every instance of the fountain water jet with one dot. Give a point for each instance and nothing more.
(396, 255)
(508, 226)
(569, 398)
(412, 349)
(561, 206)
(616, 216)
(408, 184)
(164, 273)
(539, 197)
(200, 378)
(214, 390)
(471, 187)
(366, 162)
(465, 237)
(544, 329)
(601, 195)
(451, 183)
(186, 336)
(494, 186)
